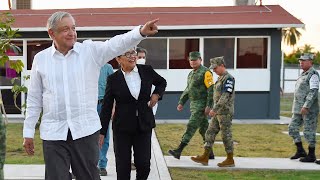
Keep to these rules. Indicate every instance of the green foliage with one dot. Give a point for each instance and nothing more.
(16, 65)
(6, 35)
(292, 58)
(290, 36)
(17, 89)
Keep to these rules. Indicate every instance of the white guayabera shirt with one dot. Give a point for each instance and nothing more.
(66, 87)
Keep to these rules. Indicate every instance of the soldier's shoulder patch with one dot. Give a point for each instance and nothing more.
(228, 85)
(208, 79)
(314, 81)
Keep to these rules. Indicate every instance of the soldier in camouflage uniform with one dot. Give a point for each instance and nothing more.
(199, 92)
(305, 109)
(222, 113)
(2, 144)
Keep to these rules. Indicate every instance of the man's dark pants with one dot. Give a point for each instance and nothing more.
(82, 154)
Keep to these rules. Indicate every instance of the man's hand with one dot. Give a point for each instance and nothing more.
(304, 111)
(179, 107)
(101, 140)
(206, 111)
(150, 28)
(153, 100)
(28, 146)
(212, 113)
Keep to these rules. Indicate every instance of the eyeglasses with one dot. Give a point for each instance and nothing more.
(130, 54)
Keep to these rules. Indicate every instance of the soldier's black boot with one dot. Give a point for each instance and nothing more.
(311, 157)
(176, 153)
(300, 151)
(317, 161)
(211, 155)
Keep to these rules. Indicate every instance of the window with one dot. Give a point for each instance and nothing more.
(252, 53)
(8, 102)
(179, 51)
(16, 51)
(23, 4)
(6, 74)
(157, 52)
(33, 48)
(214, 47)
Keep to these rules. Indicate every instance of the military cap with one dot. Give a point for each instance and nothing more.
(306, 56)
(216, 61)
(193, 56)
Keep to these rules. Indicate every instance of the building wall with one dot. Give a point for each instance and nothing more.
(276, 55)
(248, 104)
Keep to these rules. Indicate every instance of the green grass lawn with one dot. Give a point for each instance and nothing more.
(188, 174)
(286, 102)
(254, 140)
(15, 151)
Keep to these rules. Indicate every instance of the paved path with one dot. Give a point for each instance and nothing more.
(159, 170)
(243, 163)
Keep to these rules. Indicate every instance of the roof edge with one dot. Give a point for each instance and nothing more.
(183, 27)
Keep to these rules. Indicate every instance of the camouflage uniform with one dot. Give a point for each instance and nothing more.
(223, 98)
(199, 90)
(2, 145)
(306, 95)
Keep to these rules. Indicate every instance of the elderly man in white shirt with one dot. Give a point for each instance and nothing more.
(64, 84)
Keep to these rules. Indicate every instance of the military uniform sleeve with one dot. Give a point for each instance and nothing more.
(208, 81)
(185, 95)
(228, 88)
(313, 94)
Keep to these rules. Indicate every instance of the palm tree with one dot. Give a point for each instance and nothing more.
(290, 36)
(307, 48)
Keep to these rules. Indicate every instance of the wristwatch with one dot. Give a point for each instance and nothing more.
(140, 31)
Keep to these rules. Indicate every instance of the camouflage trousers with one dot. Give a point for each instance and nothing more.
(198, 120)
(223, 123)
(2, 145)
(309, 122)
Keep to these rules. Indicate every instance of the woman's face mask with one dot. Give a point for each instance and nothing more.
(141, 61)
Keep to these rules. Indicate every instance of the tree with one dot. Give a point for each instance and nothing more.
(6, 35)
(307, 48)
(290, 36)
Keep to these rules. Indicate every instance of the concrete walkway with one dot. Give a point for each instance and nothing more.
(243, 163)
(159, 170)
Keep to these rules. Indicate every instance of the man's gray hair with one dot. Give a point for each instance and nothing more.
(55, 18)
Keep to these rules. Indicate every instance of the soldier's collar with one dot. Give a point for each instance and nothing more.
(307, 71)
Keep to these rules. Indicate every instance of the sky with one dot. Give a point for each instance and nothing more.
(305, 10)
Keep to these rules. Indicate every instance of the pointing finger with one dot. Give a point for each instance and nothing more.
(153, 21)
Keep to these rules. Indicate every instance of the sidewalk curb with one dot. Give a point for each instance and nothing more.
(161, 163)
